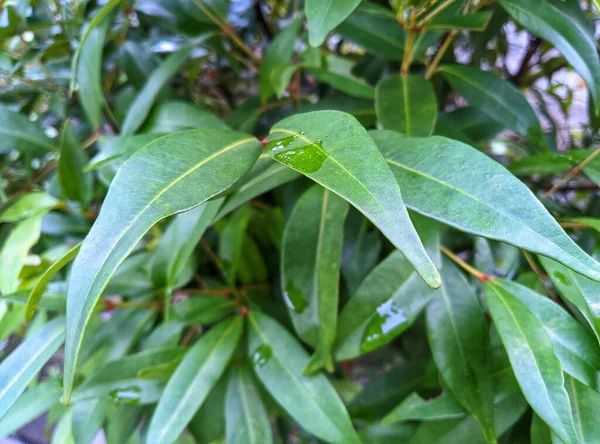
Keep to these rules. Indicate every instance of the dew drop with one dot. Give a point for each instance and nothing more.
(386, 324)
(261, 355)
(294, 298)
(127, 395)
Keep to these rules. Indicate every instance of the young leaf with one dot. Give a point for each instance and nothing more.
(532, 358)
(387, 302)
(415, 408)
(498, 99)
(406, 104)
(19, 134)
(333, 149)
(31, 204)
(458, 337)
(310, 264)
(574, 345)
(246, 418)
(324, 15)
(439, 175)
(549, 23)
(191, 383)
(585, 404)
(75, 184)
(579, 290)
(40, 287)
(19, 368)
(202, 163)
(311, 400)
(139, 109)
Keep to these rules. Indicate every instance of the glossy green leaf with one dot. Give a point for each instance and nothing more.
(549, 23)
(574, 345)
(22, 135)
(19, 368)
(532, 358)
(439, 175)
(310, 264)
(179, 241)
(28, 205)
(202, 163)
(585, 404)
(278, 360)
(75, 184)
(277, 59)
(416, 408)
(174, 116)
(406, 104)
(40, 287)
(189, 386)
(498, 99)
(333, 149)
(140, 108)
(89, 74)
(457, 334)
(246, 418)
(387, 302)
(579, 290)
(343, 82)
(324, 15)
(14, 252)
(476, 21)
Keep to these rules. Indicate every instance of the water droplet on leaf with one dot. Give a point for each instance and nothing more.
(306, 159)
(261, 355)
(128, 395)
(386, 324)
(294, 298)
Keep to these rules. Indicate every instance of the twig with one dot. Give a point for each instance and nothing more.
(540, 275)
(574, 172)
(481, 276)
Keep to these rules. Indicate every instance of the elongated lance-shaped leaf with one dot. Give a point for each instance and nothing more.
(172, 174)
(498, 99)
(579, 290)
(231, 242)
(462, 187)
(416, 408)
(388, 301)
(278, 361)
(28, 205)
(246, 419)
(333, 149)
(407, 104)
(458, 336)
(585, 404)
(532, 358)
(191, 383)
(23, 364)
(574, 345)
(550, 23)
(75, 184)
(140, 108)
(324, 15)
(310, 268)
(36, 294)
(19, 134)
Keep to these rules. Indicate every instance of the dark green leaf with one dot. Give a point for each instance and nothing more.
(19, 134)
(416, 408)
(231, 241)
(343, 82)
(75, 184)
(203, 309)
(324, 15)
(171, 117)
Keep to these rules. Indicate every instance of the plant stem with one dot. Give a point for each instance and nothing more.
(408, 53)
(539, 273)
(574, 172)
(481, 276)
(432, 67)
(435, 12)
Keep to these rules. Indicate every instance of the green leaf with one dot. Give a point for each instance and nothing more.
(375, 29)
(246, 418)
(203, 309)
(550, 23)
(579, 290)
(231, 241)
(415, 408)
(89, 74)
(14, 252)
(406, 104)
(75, 184)
(311, 400)
(19, 368)
(87, 419)
(334, 150)
(574, 345)
(208, 424)
(498, 99)
(310, 268)
(476, 21)
(277, 59)
(585, 404)
(31, 204)
(324, 15)
(532, 358)
(21, 135)
(343, 82)
(439, 175)
(103, 12)
(179, 241)
(458, 337)
(387, 302)
(191, 383)
(202, 163)
(174, 116)
(140, 108)
(40, 287)
(33, 403)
